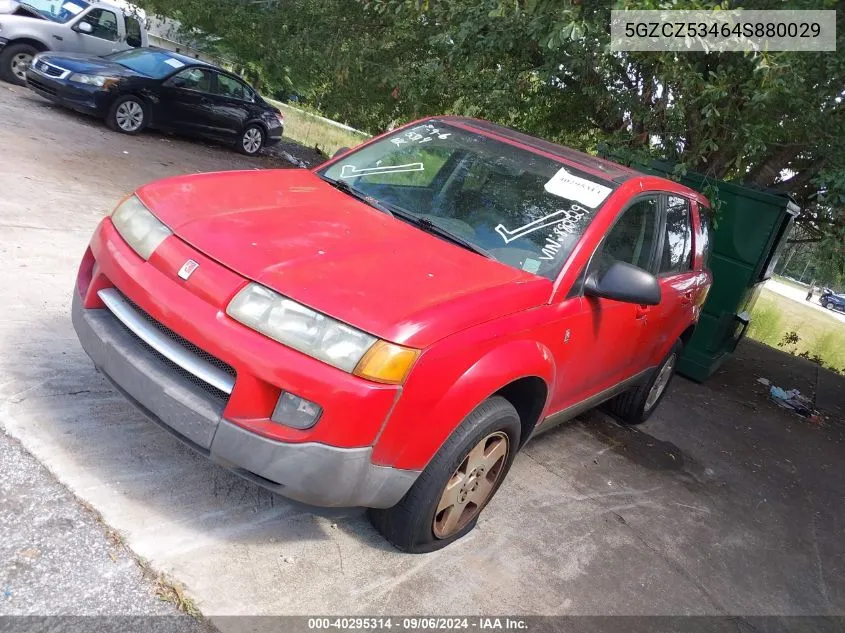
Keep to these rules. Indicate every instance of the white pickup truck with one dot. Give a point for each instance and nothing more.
(76, 26)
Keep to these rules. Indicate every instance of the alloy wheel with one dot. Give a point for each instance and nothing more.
(252, 140)
(471, 485)
(20, 63)
(660, 382)
(129, 116)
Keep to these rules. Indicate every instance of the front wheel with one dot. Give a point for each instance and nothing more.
(128, 115)
(251, 140)
(638, 403)
(444, 503)
(14, 60)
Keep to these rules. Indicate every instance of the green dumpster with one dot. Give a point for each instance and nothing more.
(747, 242)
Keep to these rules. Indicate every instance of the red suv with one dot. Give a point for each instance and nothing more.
(389, 329)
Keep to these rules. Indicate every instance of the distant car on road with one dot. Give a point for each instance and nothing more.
(833, 302)
(37, 26)
(151, 86)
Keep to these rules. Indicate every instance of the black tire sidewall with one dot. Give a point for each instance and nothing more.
(241, 147)
(111, 117)
(419, 505)
(629, 407)
(6, 57)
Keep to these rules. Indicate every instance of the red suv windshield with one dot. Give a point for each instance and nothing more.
(523, 209)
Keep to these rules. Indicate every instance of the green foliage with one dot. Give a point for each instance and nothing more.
(544, 66)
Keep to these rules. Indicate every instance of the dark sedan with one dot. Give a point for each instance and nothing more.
(833, 302)
(140, 87)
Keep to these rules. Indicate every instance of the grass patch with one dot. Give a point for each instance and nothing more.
(314, 131)
(818, 334)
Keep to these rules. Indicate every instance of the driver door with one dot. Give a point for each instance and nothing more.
(104, 37)
(606, 339)
(187, 101)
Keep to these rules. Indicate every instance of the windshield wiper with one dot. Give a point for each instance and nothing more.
(427, 225)
(392, 210)
(345, 187)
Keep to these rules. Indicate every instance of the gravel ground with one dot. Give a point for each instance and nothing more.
(60, 558)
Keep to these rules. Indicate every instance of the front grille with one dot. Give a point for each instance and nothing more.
(47, 69)
(39, 86)
(222, 396)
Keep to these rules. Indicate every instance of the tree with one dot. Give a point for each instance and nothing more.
(769, 120)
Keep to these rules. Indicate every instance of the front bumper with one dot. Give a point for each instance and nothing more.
(312, 473)
(86, 99)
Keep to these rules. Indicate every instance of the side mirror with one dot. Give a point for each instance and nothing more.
(85, 27)
(624, 282)
(340, 152)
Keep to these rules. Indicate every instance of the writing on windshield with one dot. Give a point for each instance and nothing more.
(524, 209)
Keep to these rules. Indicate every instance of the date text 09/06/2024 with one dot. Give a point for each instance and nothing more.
(418, 623)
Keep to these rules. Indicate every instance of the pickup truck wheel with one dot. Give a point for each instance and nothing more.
(638, 403)
(14, 61)
(127, 114)
(444, 503)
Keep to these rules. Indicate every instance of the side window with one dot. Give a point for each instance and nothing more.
(632, 239)
(228, 87)
(706, 233)
(677, 239)
(133, 31)
(104, 24)
(192, 79)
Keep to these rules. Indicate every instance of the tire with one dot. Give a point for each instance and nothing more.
(128, 115)
(634, 406)
(412, 525)
(251, 140)
(10, 60)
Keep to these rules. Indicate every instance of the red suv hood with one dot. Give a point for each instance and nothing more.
(291, 231)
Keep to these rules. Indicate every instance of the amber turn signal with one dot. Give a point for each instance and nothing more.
(386, 362)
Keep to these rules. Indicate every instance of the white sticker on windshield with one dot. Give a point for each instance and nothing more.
(174, 62)
(572, 187)
(70, 7)
(351, 171)
(531, 265)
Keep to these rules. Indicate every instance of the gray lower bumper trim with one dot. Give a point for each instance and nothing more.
(312, 473)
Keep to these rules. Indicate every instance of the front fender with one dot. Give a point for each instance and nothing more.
(442, 391)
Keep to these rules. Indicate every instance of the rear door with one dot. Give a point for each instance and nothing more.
(104, 38)
(233, 101)
(679, 281)
(187, 100)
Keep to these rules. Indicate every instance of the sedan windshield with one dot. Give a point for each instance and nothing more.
(57, 11)
(152, 63)
(520, 208)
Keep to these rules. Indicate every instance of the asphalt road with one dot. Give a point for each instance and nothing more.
(799, 295)
(721, 504)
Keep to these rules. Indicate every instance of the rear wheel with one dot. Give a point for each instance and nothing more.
(251, 140)
(14, 60)
(127, 114)
(444, 503)
(638, 403)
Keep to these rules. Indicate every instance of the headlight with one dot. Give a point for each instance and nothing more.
(91, 80)
(140, 228)
(320, 336)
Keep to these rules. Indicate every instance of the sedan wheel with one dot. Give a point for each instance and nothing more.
(471, 485)
(129, 116)
(252, 140)
(20, 63)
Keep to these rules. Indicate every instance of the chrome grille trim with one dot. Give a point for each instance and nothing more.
(49, 70)
(164, 345)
